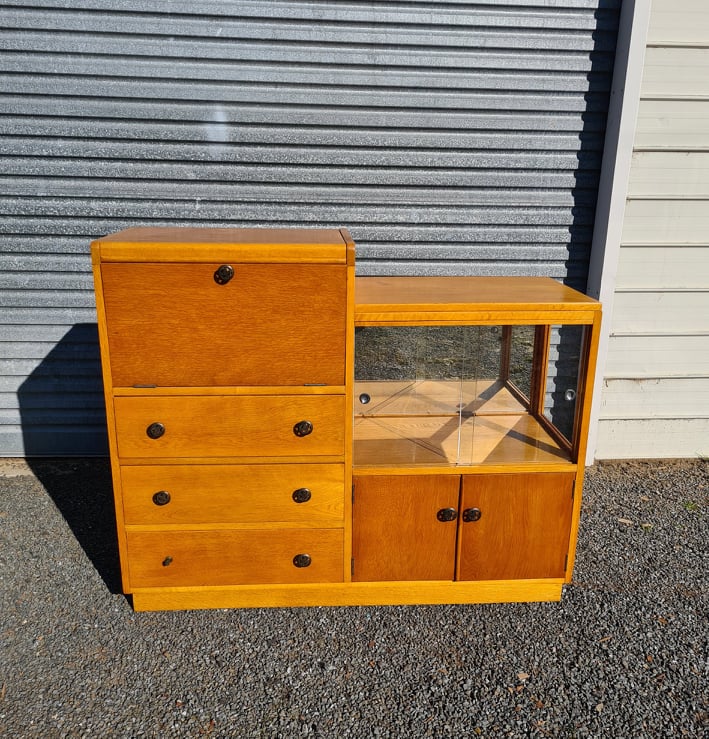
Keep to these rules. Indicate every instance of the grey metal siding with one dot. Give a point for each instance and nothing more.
(450, 138)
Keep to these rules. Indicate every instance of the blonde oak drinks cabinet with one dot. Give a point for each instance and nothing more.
(285, 434)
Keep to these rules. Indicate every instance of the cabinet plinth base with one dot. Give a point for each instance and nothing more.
(434, 592)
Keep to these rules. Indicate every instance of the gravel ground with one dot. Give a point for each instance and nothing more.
(623, 655)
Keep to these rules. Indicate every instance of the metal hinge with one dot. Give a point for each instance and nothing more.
(573, 489)
(566, 562)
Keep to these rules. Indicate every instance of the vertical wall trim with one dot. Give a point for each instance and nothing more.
(613, 186)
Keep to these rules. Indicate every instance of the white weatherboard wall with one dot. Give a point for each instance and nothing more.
(655, 396)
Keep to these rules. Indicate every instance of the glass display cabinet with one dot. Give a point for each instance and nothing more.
(470, 410)
(465, 395)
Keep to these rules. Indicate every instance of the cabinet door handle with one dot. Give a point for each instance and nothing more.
(301, 495)
(471, 514)
(447, 514)
(162, 497)
(155, 430)
(303, 428)
(223, 274)
(302, 560)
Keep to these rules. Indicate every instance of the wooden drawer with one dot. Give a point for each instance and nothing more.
(233, 493)
(172, 325)
(233, 557)
(230, 426)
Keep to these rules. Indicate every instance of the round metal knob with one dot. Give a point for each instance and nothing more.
(155, 430)
(223, 274)
(167, 562)
(447, 514)
(303, 428)
(162, 497)
(364, 398)
(301, 495)
(471, 514)
(302, 560)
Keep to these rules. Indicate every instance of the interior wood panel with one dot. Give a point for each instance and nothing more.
(497, 439)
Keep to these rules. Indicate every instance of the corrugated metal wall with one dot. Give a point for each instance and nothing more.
(456, 137)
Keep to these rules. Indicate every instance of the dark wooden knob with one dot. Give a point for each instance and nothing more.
(303, 428)
(447, 514)
(223, 274)
(302, 560)
(155, 430)
(301, 495)
(471, 514)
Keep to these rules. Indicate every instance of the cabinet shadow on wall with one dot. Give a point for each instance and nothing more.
(66, 444)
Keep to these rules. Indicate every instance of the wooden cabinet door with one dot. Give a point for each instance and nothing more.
(523, 527)
(397, 534)
(272, 324)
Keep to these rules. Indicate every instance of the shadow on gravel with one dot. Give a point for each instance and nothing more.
(62, 413)
(82, 491)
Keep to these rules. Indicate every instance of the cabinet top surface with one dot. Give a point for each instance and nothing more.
(182, 244)
(455, 296)
(208, 236)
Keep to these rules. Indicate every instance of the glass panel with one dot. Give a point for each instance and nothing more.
(459, 395)
(407, 395)
(408, 370)
(485, 388)
(482, 354)
(565, 353)
(522, 358)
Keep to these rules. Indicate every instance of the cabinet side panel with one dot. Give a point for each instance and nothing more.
(396, 531)
(110, 414)
(523, 526)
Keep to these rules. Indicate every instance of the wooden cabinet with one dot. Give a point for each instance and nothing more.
(470, 527)
(471, 405)
(283, 434)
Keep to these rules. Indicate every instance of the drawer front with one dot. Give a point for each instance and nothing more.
(230, 426)
(229, 557)
(195, 494)
(172, 325)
